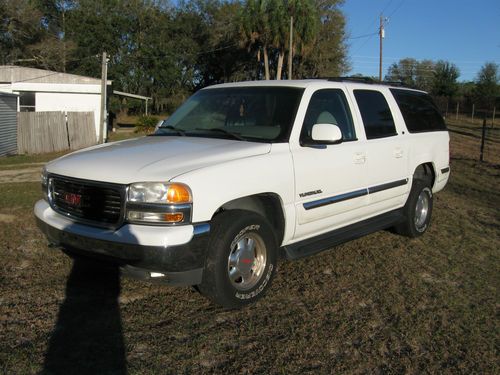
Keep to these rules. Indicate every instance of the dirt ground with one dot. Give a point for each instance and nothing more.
(21, 173)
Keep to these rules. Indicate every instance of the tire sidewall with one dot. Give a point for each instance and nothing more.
(418, 188)
(241, 225)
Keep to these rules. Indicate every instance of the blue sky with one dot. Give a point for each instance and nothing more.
(464, 32)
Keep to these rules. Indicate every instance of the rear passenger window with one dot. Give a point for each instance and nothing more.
(329, 106)
(376, 115)
(419, 111)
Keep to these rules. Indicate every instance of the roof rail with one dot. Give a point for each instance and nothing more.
(368, 80)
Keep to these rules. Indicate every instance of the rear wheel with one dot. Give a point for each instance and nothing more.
(417, 211)
(241, 259)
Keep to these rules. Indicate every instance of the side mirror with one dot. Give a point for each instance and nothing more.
(326, 134)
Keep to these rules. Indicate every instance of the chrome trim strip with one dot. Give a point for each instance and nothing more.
(186, 209)
(354, 194)
(335, 199)
(389, 185)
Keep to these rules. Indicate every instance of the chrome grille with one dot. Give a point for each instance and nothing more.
(94, 202)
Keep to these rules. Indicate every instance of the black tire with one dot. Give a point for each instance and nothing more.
(416, 221)
(229, 255)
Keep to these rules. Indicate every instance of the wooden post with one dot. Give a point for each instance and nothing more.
(458, 106)
(381, 37)
(473, 113)
(493, 117)
(483, 136)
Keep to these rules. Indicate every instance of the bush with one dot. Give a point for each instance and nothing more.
(146, 124)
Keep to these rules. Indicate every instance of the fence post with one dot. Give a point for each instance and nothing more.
(473, 105)
(483, 135)
(493, 118)
(458, 106)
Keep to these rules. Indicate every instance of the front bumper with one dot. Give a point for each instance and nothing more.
(173, 255)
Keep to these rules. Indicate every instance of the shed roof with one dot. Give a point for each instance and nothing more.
(12, 73)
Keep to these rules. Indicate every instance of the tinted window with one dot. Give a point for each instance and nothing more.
(419, 111)
(251, 113)
(329, 107)
(376, 115)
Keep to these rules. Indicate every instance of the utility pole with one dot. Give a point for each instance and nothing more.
(290, 52)
(104, 80)
(381, 34)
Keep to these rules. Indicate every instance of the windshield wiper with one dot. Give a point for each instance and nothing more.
(224, 131)
(170, 127)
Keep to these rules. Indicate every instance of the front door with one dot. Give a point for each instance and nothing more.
(330, 181)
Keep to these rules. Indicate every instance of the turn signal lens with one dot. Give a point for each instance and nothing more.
(178, 193)
(174, 218)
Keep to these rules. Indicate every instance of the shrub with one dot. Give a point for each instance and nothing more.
(146, 124)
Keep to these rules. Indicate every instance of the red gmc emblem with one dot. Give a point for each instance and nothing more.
(73, 199)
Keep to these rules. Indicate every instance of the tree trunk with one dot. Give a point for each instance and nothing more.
(266, 63)
(281, 57)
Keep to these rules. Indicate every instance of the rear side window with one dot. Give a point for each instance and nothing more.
(419, 111)
(376, 115)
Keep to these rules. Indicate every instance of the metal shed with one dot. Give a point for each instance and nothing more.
(8, 124)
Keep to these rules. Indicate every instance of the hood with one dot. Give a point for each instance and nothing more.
(158, 158)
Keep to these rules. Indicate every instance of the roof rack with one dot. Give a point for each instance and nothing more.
(368, 80)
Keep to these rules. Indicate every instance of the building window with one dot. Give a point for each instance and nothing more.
(26, 102)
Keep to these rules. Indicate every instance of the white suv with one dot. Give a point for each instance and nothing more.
(246, 172)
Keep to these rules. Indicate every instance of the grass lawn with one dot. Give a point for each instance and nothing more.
(380, 304)
(18, 160)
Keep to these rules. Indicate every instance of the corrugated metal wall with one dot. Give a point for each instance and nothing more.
(8, 124)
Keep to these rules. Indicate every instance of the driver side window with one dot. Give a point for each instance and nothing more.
(328, 106)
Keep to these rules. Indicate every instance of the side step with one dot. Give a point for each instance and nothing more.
(338, 236)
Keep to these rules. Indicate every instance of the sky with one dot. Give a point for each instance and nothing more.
(464, 32)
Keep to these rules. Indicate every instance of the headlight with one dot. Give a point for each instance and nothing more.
(159, 203)
(158, 192)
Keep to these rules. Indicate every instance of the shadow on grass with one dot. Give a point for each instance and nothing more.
(88, 338)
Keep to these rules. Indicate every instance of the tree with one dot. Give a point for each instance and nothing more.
(445, 79)
(327, 55)
(266, 25)
(256, 30)
(487, 84)
(424, 75)
(405, 71)
(20, 29)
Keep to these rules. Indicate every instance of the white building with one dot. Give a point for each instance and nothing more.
(45, 91)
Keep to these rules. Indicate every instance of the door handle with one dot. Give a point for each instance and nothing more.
(359, 158)
(398, 152)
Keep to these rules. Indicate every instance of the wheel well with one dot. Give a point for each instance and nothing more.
(425, 171)
(268, 205)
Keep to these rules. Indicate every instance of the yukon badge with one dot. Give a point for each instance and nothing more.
(308, 193)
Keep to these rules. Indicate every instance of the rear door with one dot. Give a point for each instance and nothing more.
(386, 150)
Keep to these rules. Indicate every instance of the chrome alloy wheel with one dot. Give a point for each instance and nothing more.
(421, 209)
(247, 261)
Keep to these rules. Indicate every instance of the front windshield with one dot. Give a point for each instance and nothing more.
(263, 114)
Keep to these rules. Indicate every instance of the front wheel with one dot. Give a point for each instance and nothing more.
(241, 259)
(417, 210)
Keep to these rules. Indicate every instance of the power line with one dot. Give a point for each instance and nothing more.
(362, 36)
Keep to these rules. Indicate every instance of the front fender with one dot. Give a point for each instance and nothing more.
(215, 185)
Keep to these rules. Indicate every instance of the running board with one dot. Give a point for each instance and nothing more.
(338, 236)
